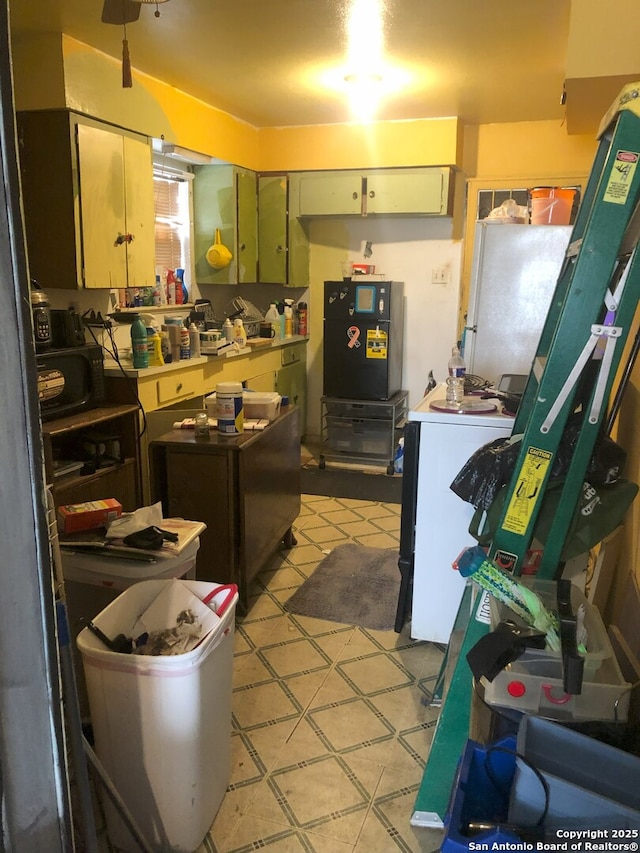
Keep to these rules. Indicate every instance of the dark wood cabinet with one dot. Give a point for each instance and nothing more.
(245, 488)
(63, 439)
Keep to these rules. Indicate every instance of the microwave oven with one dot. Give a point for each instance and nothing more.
(70, 380)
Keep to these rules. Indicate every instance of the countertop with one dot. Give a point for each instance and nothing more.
(111, 367)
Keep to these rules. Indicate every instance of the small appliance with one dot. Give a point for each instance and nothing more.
(41, 317)
(70, 380)
(67, 329)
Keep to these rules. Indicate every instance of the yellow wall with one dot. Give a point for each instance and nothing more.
(427, 142)
(91, 83)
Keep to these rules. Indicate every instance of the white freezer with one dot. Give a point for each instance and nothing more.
(446, 442)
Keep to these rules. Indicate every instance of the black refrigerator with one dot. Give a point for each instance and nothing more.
(363, 339)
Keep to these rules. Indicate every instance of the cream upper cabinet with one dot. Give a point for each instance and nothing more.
(88, 202)
(384, 192)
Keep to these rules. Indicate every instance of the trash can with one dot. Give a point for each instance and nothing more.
(162, 724)
(92, 582)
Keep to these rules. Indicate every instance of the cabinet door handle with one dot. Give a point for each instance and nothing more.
(279, 249)
(123, 238)
(178, 387)
(354, 196)
(372, 194)
(243, 246)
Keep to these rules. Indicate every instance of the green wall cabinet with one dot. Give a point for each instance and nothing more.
(283, 242)
(383, 192)
(225, 198)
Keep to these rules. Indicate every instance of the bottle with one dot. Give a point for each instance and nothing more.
(227, 330)
(171, 288)
(455, 380)
(288, 321)
(154, 345)
(303, 328)
(166, 347)
(139, 348)
(157, 292)
(194, 340)
(179, 286)
(273, 318)
(185, 351)
(239, 332)
(184, 295)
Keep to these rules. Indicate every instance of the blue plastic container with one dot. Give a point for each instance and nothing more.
(480, 795)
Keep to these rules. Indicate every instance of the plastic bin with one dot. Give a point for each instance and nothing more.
(257, 405)
(162, 725)
(598, 645)
(590, 784)
(480, 795)
(533, 683)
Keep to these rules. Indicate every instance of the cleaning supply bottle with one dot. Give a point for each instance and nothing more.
(239, 332)
(139, 347)
(455, 380)
(171, 288)
(185, 351)
(194, 340)
(273, 318)
(288, 318)
(227, 330)
(154, 345)
(303, 327)
(179, 287)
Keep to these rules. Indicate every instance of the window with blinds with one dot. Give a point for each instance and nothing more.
(173, 221)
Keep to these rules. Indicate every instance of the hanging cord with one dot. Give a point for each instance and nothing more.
(536, 830)
(127, 82)
(113, 352)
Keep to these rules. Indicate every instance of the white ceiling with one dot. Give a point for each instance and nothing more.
(483, 60)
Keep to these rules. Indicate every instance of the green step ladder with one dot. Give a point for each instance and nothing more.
(580, 349)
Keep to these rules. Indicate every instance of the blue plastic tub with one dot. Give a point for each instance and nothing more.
(480, 795)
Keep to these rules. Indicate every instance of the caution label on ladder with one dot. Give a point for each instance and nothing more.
(528, 488)
(621, 177)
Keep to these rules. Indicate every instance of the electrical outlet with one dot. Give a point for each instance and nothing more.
(440, 275)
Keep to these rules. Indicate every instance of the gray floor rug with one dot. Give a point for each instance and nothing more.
(354, 584)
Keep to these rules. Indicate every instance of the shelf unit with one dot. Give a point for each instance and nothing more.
(62, 439)
(362, 431)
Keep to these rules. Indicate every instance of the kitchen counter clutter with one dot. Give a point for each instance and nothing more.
(111, 367)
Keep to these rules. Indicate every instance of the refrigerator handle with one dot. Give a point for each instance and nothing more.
(409, 497)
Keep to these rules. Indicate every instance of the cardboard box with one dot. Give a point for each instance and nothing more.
(87, 516)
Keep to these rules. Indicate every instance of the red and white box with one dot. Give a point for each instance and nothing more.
(87, 516)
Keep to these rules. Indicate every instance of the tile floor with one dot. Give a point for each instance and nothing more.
(331, 723)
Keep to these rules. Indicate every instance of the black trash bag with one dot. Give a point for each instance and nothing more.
(482, 476)
(490, 468)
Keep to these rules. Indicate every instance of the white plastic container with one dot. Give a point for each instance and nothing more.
(257, 405)
(263, 405)
(162, 725)
(121, 574)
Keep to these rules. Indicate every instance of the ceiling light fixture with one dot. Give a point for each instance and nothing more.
(365, 56)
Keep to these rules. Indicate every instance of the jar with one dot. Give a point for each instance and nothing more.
(201, 425)
(229, 408)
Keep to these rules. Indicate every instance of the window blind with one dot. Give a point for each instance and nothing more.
(172, 220)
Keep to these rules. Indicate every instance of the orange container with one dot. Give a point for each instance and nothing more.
(551, 205)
